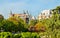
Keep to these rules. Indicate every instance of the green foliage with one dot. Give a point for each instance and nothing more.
(50, 26)
(13, 25)
(8, 26)
(16, 36)
(1, 18)
(5, 35)
(33, 22)
(20, 35)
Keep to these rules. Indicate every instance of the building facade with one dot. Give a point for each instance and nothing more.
(24, 16)
(45, 14)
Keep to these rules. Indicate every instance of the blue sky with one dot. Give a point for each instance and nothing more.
(33, 6)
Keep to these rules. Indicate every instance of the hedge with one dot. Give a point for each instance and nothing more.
(20, 35)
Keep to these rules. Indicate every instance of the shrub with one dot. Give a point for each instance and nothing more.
(20, 35)
(5, 35)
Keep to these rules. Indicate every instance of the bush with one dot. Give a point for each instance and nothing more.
(16, 36)
(20, 35)
(35, 35)
(25, 35)
(5, 35)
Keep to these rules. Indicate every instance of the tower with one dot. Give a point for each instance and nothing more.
(11, 14)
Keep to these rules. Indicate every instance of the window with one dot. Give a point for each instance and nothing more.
(27, 20)
(50, 13)
(59, 11)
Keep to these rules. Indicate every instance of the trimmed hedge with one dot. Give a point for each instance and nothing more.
(5, 35)
(20, 35)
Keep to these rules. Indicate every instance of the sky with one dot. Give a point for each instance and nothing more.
(33, 6)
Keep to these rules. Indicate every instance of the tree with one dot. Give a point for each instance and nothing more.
(9, 26)
(37, 28)
(55, 25)
(40, 27)
(19, 23)
(1, 18)
(33, 22)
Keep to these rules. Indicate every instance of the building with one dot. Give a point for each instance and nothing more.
(24, 16)
(45, 14)
(33, 18)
